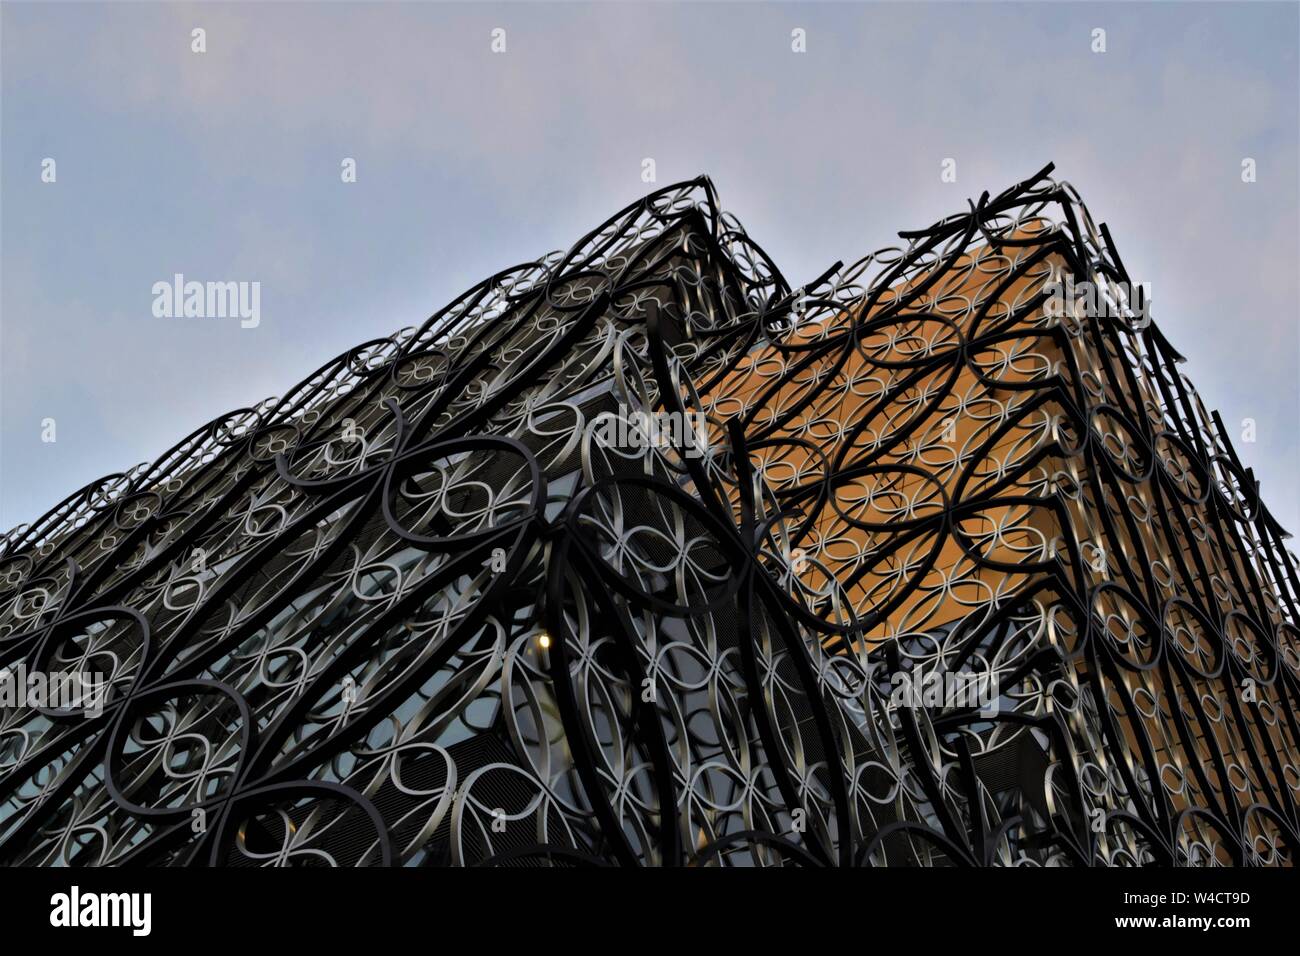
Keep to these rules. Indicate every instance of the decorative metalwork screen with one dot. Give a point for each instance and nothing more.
(458, 598)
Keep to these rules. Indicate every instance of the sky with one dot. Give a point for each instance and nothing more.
(225, 166)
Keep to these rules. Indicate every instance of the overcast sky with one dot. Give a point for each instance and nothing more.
(225, 165)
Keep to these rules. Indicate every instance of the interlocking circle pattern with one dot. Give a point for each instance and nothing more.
(427, 610)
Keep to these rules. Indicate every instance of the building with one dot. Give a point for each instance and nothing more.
(638, 554)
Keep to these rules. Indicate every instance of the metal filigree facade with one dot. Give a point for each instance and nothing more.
(423, 610)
